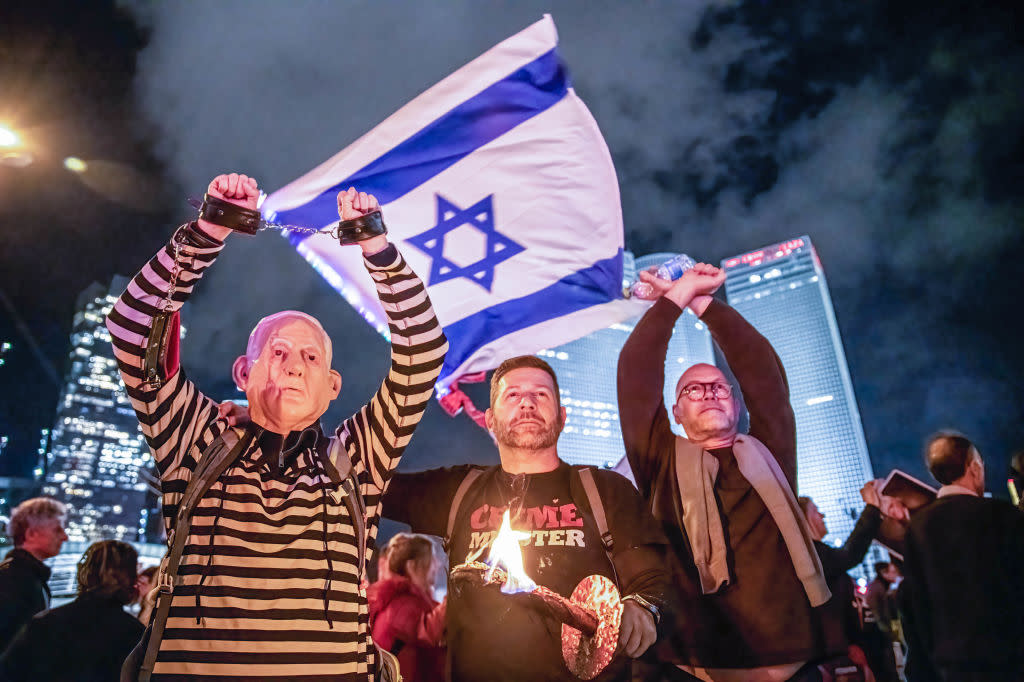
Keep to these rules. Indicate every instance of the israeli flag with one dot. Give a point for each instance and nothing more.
(499, 190)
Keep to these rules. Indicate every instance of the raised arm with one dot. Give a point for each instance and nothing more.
(171, 410)
(760, 375)
(376, 436)
(762, 381)
(646, 429)
(856, 546)
(641, 378)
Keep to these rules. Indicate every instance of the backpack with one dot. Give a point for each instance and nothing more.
(581, 476)
(216, 459)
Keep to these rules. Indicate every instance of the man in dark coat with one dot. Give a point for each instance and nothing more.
(88, 639)
(749, 577)
(37, 528)
(962, 592)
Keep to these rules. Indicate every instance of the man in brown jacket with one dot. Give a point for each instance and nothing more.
(747, 569)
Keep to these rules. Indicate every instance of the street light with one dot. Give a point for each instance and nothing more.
(75, 164)
(8, 138)
(11, 151)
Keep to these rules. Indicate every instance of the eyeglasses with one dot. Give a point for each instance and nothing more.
(699, 391)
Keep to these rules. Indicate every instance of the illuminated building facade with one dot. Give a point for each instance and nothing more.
(586, 370)
(13, 489)
(98, 462)
(781, 290)
(5, 348)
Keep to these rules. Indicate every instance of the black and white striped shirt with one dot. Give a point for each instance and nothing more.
(270, 586)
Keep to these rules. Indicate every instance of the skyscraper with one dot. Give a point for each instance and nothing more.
(5, 352)
(781, 290)
(98, 461)
(586, 370)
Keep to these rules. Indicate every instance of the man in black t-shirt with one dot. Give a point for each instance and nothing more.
(494, 637)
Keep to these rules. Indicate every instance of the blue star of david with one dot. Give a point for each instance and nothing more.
(450, 217)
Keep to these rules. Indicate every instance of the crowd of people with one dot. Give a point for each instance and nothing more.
(86, 639)
(719, 562)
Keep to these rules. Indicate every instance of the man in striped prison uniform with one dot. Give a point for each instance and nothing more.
(269, 586)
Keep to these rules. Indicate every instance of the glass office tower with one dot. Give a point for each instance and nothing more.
(781, 290)
(98, 462)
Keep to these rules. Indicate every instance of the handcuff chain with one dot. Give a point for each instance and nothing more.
(175, 271)
(266, 225)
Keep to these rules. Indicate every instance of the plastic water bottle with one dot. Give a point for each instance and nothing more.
(672, 269)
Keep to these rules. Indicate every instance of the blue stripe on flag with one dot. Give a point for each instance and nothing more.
(568, 295)
(501, 107)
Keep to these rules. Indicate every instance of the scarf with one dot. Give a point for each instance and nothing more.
(696, 471)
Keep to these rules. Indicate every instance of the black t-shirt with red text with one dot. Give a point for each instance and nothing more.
(491, 636)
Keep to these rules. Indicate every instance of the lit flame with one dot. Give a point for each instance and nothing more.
(505, 552)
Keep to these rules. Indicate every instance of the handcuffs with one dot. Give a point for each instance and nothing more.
(239, 219)
(249, 221)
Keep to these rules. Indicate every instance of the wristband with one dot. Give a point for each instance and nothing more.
(226, 214)
(189, 235)
(646, 605)
(362, 228)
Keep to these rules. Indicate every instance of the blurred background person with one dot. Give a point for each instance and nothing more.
(88, 639)
(882, 632)
(383, 572)
(37, 529)
(963, 592)
(404, 617)
(144, 596)
(1016, 479)
(842, 629)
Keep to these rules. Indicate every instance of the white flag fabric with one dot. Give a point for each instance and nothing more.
(500, 192)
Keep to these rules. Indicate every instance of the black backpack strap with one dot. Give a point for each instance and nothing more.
(338, 466)
(339, 469)
(586, 479)
(215, 460)
(453, 512)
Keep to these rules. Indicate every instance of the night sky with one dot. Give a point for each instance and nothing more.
(891, 133)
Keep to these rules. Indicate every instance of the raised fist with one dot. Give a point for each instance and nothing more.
(240, 190)
(352, 204)
(233, 188)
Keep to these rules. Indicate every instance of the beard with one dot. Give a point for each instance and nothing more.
(529, 436)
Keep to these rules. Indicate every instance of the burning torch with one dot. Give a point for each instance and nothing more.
(590, 617)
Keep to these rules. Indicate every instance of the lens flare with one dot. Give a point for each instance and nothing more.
(75, 164)
(8, 138)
